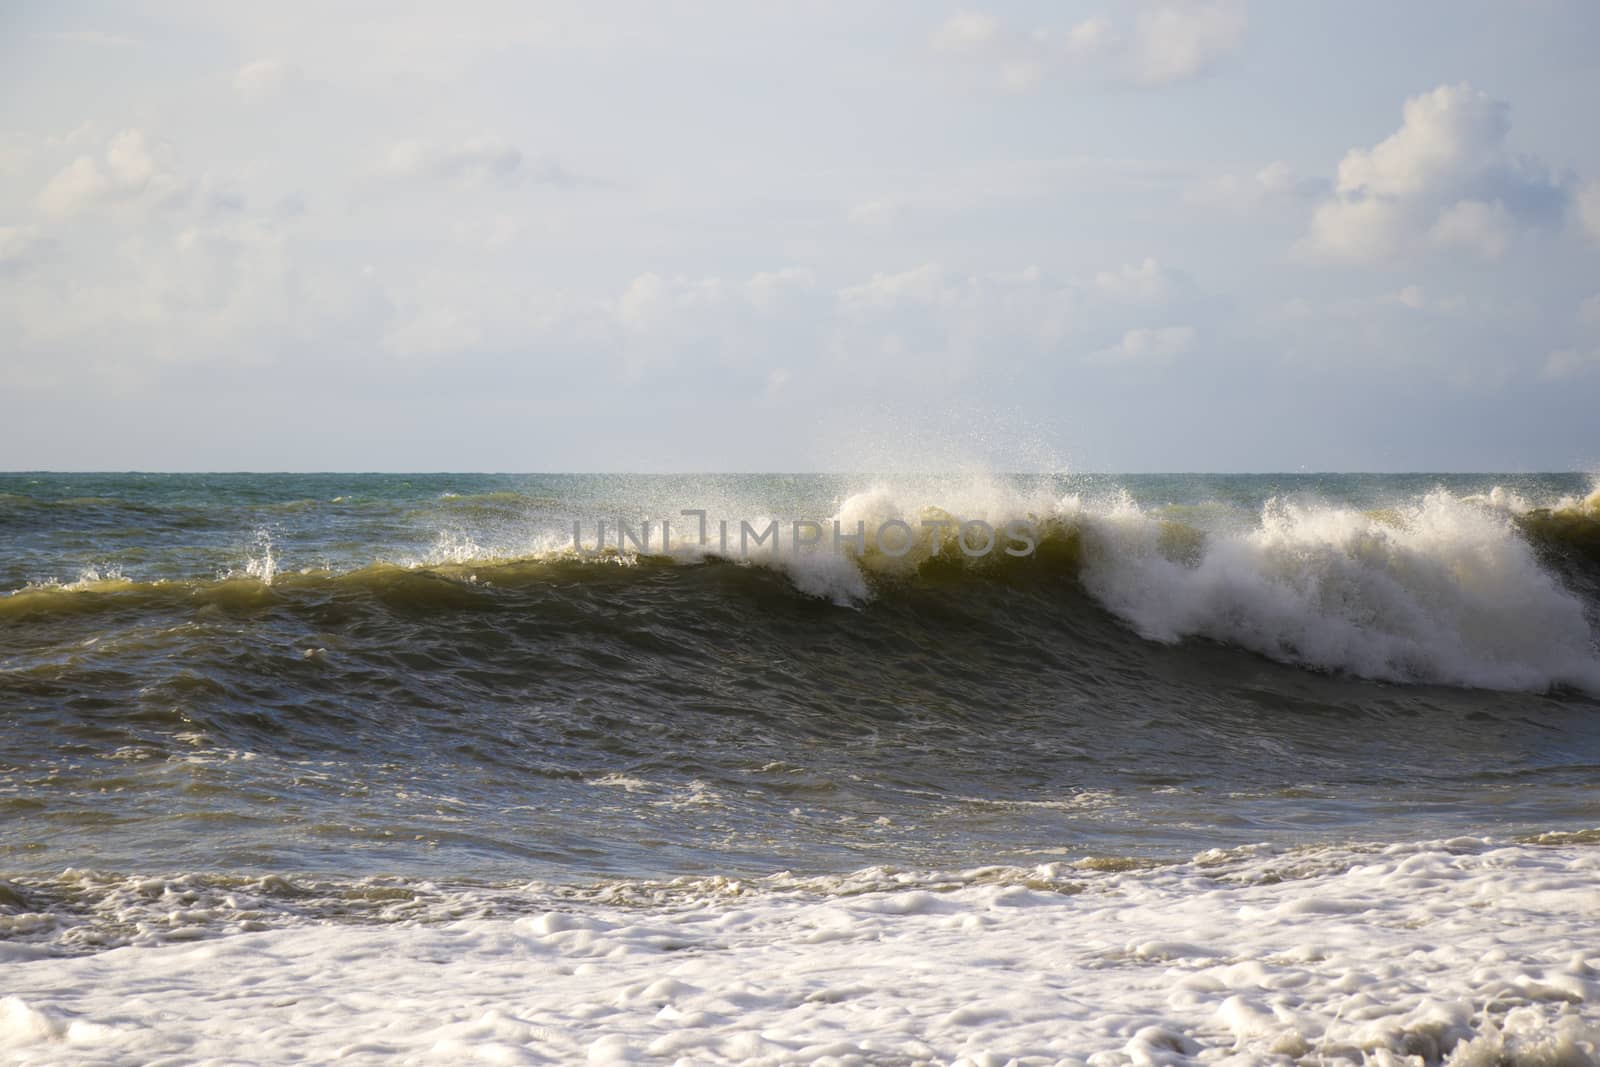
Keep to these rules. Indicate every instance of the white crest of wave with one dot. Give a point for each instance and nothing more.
(1512, 502)
(454, 546)
(1438, 591)
(1441, 589)
(261, 560)
(263, 563)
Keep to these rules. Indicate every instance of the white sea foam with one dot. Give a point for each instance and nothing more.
(261, 561)
(1438, 591)
(96, 577)
(1513, 502)
(1462, 952)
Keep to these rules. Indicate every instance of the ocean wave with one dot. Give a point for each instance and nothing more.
(1444, 589)
(1437, 591)
(1572, 527)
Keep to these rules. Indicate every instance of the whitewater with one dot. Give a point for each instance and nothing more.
(1465, 952)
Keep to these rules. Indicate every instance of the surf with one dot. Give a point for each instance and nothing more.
(1475, 590)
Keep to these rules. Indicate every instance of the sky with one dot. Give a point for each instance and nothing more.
(1115, 235)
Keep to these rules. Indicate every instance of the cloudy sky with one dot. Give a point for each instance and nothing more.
(1103, 235)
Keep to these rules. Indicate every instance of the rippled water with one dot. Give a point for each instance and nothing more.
(416, 676)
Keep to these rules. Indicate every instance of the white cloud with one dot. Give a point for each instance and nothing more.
(1455, 129)
(874, 212)
(666, 321)
(431, 329)
(172, 291)
(1149, 345)
(1589, 209)
(1275, 185)
(777, 381)
(947, 325)
(1356, 231)
(1177, 41)
(1589, 311)
(1423, 332)
(128, 158)
(1359, 309)
(1445, 180)
(127, 171)
(1485, 230)
(494, 231)
(373, 43)
(15, 244)
(14, 156)
(1025, 299)
(1569, 363)
(1021, 75)
(79, 183)
(761, 328)
(1412, 296)
(1017, 61)
(651, 298)
(265, 77)
(926, 284)
(944, 194)
(1163, 43)
(454, 310)
(1091, 37)
(967, 33)
(952, 323)
(478, 160)
(133, 266)
(1142, 283)
(189, 286)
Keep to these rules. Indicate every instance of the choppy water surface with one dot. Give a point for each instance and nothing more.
(415, 675)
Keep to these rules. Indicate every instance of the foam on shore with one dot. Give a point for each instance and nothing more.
(1465, 952)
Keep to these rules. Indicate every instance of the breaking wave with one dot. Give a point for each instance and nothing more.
(1483, 591)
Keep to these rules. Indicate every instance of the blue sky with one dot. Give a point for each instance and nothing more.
(1120, 235)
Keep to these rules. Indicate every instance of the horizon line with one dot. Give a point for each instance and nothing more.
(1303, 472)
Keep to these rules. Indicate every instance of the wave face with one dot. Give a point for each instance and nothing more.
(361, 674)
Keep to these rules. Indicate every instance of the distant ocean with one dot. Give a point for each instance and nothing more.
(396, 768)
